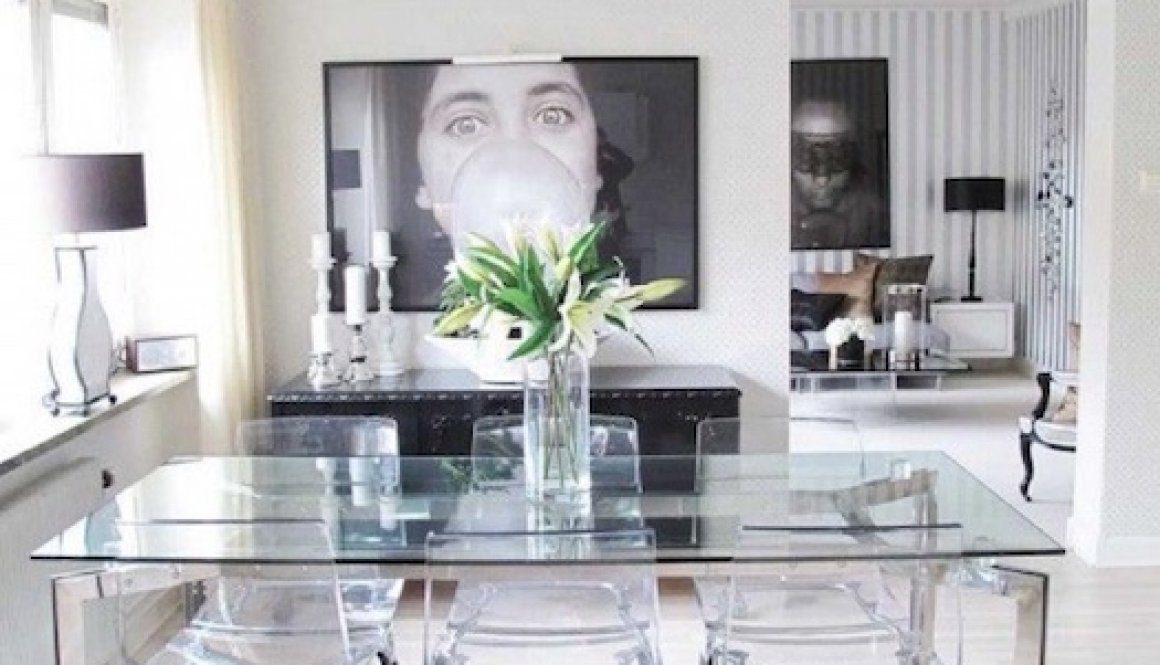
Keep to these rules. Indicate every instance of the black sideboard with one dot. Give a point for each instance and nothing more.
(435, 408)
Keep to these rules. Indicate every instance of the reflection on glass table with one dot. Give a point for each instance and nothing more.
(816, 508)
(372, 524)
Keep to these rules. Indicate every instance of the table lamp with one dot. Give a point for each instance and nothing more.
(973, 194)
(75, 194)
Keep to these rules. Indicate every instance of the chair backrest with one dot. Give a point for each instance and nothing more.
(271, 608)
(502, 437)
(538, 589)
(309, 436)
(761, 435)
(354, 451)
(776, 435)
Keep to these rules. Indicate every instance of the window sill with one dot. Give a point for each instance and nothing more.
(26, 438)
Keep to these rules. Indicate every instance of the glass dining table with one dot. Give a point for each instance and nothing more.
(811, 509)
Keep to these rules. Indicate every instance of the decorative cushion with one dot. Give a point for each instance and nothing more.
(812, 311)
(857, 285)
(1068, 409)
(900, 270)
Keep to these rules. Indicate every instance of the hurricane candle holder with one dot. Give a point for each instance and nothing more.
(358, 370)
(904, 311)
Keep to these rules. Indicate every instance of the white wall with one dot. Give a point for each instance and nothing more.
(744, 51)
(1115, 520)
(951, 115)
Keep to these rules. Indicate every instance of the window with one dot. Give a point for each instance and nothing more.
(18, 116)
(82, 99)
(57, 93)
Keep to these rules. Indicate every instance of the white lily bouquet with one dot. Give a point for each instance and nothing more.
(564, 294)
(557, 290)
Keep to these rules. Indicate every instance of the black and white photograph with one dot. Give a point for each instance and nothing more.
(435, 151)
(840, 168)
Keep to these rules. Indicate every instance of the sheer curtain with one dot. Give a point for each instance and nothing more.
(230, 337)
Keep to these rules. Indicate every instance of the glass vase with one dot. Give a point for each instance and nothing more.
(556, 428)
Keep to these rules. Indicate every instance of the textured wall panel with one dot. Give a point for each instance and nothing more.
(1050, 53)
(743, 255)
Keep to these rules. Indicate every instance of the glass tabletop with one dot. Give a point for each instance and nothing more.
(798, 507)
(816, 362)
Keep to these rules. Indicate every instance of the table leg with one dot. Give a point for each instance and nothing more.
(1030, 591)
(70, 593)
(923, 603)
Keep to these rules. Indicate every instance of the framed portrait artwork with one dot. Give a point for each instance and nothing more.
(840, 163)
(434, 151)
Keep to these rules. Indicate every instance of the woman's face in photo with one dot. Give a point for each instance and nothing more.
(504, 142)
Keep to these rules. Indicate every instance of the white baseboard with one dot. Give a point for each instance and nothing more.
(1129, 552)
(1114, 552)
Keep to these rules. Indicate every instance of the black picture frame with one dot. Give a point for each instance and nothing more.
(665, 196)
(828, 95)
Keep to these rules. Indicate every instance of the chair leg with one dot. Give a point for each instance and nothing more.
(1028, 466)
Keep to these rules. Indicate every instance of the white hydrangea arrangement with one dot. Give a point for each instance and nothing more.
(842, 329)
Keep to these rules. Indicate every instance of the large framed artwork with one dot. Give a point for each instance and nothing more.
(840, 137)
(434, 151)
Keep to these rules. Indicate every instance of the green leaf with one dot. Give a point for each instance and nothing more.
(536, 341)
(644, 344)
(496, 261)
(602, 273)
(470, 286)
(525, 304)
(532, 281)
(583, 251)
(615, 319)
(457, 319)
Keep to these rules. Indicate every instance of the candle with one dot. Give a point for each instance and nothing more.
(319, 247)
(320, 334)
(381, 245)
(903, 332)
(356, 295)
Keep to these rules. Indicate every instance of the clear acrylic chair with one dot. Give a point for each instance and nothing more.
(360, 453)
(497, 449)
(775, 618)
(552, 597)
(778, 435)
(872, 613)
(281, 606)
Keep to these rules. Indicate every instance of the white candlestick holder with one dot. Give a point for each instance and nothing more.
(321, 372)
(388, 364)
(358, 370)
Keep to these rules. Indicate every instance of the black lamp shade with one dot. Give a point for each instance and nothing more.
(89, 193)
(974, 194)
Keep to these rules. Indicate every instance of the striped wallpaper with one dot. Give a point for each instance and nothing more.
(1050, 53)
(949, 106)
(966, 88)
